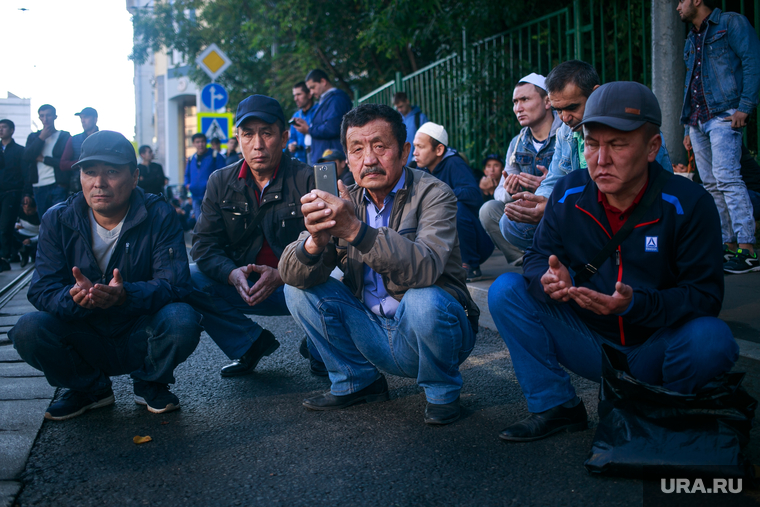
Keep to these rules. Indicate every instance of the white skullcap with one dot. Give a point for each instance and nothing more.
(435, 131)
(535, 79)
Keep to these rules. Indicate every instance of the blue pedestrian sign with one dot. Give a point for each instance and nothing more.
(214, 96)
(216, 125)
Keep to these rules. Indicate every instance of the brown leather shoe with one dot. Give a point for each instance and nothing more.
(376, 391)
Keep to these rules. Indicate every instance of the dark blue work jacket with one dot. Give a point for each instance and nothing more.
(150, 254)
(673, 259)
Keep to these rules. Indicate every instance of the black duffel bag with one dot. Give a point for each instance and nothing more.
(643, 428)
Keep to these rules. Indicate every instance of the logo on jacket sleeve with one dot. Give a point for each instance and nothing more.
(651, 244)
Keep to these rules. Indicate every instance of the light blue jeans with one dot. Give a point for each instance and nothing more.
(427, 339)
(717, 153)
(542, 336)
(518, 234)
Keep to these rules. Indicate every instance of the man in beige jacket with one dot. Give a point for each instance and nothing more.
(403, 306)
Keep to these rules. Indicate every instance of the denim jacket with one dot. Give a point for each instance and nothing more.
(566, 159)
(731, 68)
(522, 156)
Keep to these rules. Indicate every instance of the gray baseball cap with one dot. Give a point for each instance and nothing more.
(108, 147)
(622, 105)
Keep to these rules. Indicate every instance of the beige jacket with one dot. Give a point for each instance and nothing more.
(419, 248)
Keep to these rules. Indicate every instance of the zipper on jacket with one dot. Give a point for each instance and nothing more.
(126, 264)
(619, 261)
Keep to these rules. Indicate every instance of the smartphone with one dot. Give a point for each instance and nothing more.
(326, 177)
(292, 121)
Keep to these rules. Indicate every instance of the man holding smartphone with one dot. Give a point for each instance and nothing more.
(402, 306)
(251, 212)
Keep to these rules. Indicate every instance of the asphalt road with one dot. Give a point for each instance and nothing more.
(248, 441)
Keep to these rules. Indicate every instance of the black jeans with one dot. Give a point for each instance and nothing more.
(75, 356)
(9, 206)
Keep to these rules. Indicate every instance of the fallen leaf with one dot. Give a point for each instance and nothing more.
(164, 422)
(141, 440)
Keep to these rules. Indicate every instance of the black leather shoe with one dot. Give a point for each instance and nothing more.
(316, 366)
(442, 414)
(264, 346)
(376, 391)
(541, 425)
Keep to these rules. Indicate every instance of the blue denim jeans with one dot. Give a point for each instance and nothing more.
(224, 312)
(717, 153)
(48, 196)
(197, 208)
(541, 337)
(72, 355)
(427, 339)
(518, 234)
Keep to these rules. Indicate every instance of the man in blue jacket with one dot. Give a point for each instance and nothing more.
(111, 271)
(656, 299)
(413, 116)
(299, 144)
(431, 152)
(324, 127)
(199, 168)
(722, 55)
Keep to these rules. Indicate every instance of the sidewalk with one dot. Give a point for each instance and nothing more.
(24, 396)
(495, 398)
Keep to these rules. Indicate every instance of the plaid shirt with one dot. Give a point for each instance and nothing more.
(699, 111)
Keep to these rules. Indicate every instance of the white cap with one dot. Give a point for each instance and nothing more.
(435, 131)
(535, 79)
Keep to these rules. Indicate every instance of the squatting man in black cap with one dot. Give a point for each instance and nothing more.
(251, 212)
(111, 270)
(656, 296)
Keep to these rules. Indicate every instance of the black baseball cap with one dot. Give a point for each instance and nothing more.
(109, 147)
(87, 111)
(261, 107)
(331, 155)
(493, 156)
(622, 105)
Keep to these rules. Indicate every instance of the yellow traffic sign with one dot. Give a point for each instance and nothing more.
(213, 61)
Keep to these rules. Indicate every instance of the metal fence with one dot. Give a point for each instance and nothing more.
(470, 92)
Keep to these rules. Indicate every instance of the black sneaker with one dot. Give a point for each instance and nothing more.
(744, 262)
(4, 266)
(155, 396)
(473, 274)
(74, 403)
(728, 254)
(316, 366)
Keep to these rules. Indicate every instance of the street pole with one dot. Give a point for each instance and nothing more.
(668, 73)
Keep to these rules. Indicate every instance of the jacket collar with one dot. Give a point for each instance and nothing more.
(589, 200)
(274, 190)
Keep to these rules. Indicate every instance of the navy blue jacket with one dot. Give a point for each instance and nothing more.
(150, 254)
(673, 259)
(325, 124)
(13, 173)
(455, 172)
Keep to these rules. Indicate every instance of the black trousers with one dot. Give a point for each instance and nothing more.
(9, 206)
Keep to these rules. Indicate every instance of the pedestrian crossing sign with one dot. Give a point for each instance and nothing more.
(216, 125)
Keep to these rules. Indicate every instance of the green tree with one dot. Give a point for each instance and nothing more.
(362, 43)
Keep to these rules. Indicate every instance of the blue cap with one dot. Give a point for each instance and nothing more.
(262, 107)
(108, 147)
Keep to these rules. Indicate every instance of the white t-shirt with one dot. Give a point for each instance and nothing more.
(104, 241)
(539, 144)
(46, 173)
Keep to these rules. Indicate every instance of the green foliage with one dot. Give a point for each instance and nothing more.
(361, 43)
